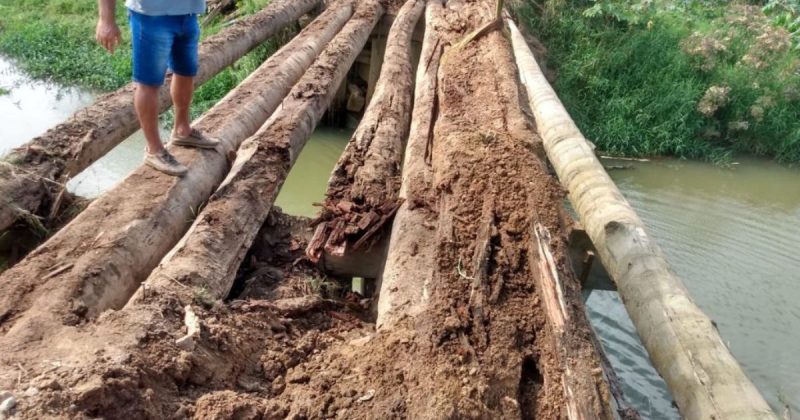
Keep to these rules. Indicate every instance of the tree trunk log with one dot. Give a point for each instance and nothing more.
(362, 193)
(684, 345)
(210, 253)
(404, 287)
(116, 242)
(464, 265)
(70, 147)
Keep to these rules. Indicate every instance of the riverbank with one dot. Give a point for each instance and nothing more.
(54, 40)
(685, 79)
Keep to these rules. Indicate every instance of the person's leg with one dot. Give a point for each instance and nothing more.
(152, 43)
(181, 89)
(184, 64)
(145, 101)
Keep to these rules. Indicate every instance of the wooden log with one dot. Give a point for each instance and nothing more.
(210, 253)
(29, 173)
(363, 190)
(560, 318)
(366, 262)
(116, 242)
(403, 288)
(216, 8)
(465, 264)
(684, 345)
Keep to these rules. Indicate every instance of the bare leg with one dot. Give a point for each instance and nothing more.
(146, 103)
(182, 89)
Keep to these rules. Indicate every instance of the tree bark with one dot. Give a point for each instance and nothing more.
(119, 239)
(210, 253)
(362, 193)
(65, 150)
(684, 345)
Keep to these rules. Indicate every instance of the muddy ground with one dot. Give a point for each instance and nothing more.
(282, 313)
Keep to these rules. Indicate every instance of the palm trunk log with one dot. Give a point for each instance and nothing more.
(405, 281)
(363, 190)
(684, 345)
(463, 259)
(215, 245)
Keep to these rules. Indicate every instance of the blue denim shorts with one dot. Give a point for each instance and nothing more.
(160, 42)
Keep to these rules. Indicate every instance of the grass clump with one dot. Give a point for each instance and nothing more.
(687, 79)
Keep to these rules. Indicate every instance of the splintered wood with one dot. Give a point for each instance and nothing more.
(362, 194)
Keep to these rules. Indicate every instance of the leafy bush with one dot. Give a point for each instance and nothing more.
(697, 80)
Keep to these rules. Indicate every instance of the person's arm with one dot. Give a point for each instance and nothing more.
(107, 32)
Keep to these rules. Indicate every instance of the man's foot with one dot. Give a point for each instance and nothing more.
(196, 138)
(163, 161)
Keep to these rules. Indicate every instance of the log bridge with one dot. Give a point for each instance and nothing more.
(444, 196)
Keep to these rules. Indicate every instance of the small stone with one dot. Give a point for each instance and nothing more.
(465, 381)
(473, 371)
(51, 385)
(7, 406)
(298, 377)
(368, 396)
(31, 391)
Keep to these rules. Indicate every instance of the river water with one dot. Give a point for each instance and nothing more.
(730, 234)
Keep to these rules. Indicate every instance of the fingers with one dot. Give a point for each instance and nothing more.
(108, 39)
(116, 42)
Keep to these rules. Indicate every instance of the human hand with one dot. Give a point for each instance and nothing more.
(107, 34)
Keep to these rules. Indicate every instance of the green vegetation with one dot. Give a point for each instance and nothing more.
(689, 79)
(4, 91)
(54, 40)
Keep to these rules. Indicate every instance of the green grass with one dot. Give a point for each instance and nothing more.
(633, 76)
(54, 40)
(4, 91)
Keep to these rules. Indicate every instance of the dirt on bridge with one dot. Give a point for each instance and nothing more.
(289, 343)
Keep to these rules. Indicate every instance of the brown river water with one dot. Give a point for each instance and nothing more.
(730, 233)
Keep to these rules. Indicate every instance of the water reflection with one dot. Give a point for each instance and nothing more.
(308, 179)
(730, 234)
(33, 106)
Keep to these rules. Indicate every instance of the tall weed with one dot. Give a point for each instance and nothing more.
(688, 79)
